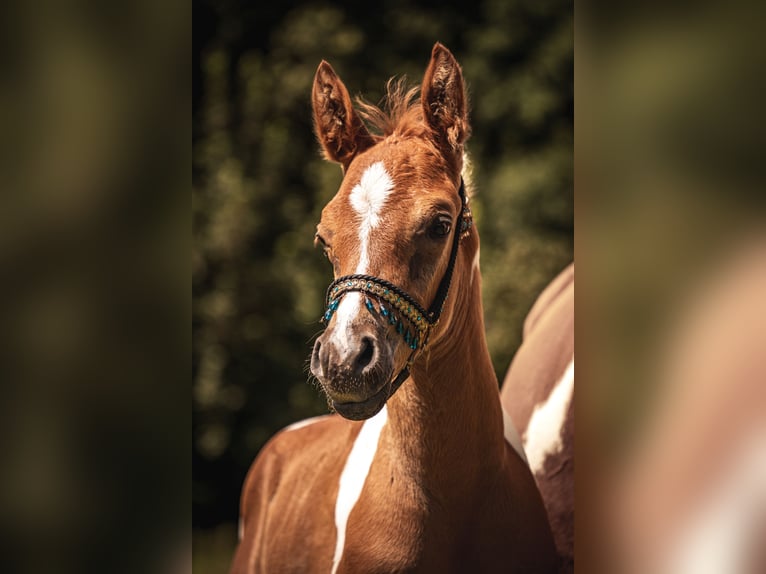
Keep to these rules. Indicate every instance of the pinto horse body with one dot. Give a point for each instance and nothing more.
(538, 392)
(424, 479)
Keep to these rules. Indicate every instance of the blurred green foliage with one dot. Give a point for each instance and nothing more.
(259, 184)
(674, 158)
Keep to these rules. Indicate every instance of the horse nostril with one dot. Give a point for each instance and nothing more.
(316, 360)
(364, 358)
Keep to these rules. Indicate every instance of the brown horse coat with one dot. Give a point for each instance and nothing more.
(429, 483)
(538, 386)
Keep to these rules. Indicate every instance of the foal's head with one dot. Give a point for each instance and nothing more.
(395, 220)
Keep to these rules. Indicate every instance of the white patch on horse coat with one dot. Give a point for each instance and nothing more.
(543, 435)
(353, 477)
(305, 423)
(718, 535)
(511, 434)
(367, 198)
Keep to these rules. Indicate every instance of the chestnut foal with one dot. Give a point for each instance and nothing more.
(428, 482)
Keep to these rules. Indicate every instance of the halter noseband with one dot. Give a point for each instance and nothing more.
(396, 306)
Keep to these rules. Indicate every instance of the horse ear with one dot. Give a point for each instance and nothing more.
(444, 99)
(338, 127)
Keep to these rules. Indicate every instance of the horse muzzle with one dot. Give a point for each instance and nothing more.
(354, 366)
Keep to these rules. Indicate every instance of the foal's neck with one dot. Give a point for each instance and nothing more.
(446, 421)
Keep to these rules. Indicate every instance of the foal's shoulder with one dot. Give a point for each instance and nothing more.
(305, 438)
(301, 447)
(306, 443)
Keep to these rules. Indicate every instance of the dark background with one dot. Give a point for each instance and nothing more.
(94, 234)
(259, 184)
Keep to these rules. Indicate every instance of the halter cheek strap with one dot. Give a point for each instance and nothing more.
(398, 307)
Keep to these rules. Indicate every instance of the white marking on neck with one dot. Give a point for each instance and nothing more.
(511, 434)
(543, 435)
(367, 198)
(353, 477)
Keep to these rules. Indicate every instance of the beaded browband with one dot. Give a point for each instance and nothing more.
(395, 305)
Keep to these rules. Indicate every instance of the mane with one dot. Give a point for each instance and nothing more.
(399, 113)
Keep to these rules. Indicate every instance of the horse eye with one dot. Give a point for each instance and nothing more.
(320, 242)
(441, 226)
